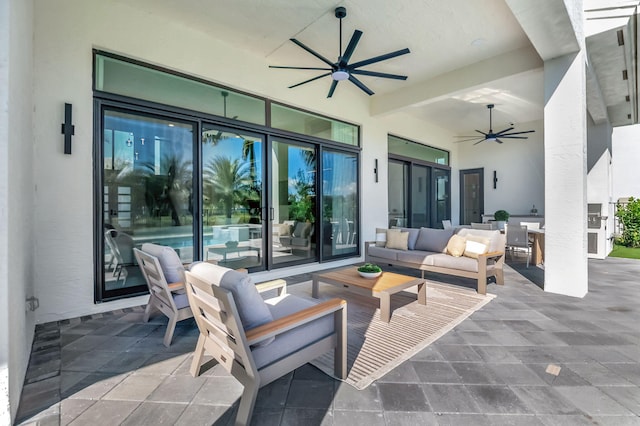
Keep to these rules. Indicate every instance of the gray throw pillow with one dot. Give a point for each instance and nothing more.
(430, 239)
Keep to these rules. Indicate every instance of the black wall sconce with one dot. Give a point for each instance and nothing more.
(495, 179)
(68, 129)
(375, 169)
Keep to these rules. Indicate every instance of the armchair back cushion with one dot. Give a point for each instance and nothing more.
(169, 261)
(252, 309)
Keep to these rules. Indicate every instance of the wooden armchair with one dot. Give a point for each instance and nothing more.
(169, 298)
(285, 332)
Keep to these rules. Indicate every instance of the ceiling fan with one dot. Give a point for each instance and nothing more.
(495, 137)
(342, 69)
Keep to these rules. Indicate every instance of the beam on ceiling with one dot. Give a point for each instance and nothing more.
(458, 81)
(548, 25)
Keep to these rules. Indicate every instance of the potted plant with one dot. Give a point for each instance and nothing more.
(501, 217)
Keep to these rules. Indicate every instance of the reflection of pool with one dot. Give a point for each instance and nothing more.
(176, 242)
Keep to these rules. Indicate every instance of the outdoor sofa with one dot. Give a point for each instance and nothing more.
(470, 253)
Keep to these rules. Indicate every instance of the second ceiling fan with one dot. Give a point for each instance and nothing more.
(495, 136)
(342, 69)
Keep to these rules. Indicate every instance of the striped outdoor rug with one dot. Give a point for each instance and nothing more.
(376, 347)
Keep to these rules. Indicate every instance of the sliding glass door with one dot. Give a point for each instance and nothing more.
(292, 210)
(147, 176)
(232, 197)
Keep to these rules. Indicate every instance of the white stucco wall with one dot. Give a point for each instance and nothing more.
(63, 72)
(520, 171)
(599, 182)
(626, 157)
(16, 200)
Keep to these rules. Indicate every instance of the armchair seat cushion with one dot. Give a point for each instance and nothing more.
(295, 339)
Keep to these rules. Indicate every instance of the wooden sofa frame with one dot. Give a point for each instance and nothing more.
(481, 276)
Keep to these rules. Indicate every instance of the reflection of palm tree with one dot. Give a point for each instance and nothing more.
(249, 153)
(227, 181)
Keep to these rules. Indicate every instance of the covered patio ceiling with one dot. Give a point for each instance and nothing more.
(464, 54)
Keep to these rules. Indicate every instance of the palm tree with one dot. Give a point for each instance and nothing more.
(227, 181)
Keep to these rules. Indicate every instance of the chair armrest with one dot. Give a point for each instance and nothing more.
(271, 285)
(294, 320)
(175, 287)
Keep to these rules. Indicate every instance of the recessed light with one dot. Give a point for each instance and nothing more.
(171, 124)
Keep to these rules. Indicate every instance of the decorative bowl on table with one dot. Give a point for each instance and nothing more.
(231, 244)
(369, 270)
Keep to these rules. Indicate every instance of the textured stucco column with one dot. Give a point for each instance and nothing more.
(565, 157)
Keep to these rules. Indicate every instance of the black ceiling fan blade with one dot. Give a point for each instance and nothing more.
(310, 80)
(505, 130)
(517, 133)
(313, 52)
(498, 140)
(481, 132)
(481, 140)
(301, 68)
(473, 138)
(332, 89)
(379, 58)
(514, 137)
(355, 38)
(360, 85)
(379, 74)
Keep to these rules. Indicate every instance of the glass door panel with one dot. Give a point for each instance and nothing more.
(147, 192)
(232, 198)
(398, 193)
(471, 196)
(293, 203)
(420, 188)
(441, 185)
(340, 204)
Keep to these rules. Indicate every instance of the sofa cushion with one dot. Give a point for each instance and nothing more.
(413, 236)
(397, 240)
(456, 245)
(383, 252)
(497, 239)
(416, 257)
(447, 261)
(476, 245)
(170, 262)
(294, 339)
(430, 239)
(252, 309)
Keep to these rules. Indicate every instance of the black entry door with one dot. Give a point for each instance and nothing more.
(471, 196)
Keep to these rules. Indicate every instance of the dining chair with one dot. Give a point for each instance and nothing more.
(258, 341)
(489, 226)
(518, 238)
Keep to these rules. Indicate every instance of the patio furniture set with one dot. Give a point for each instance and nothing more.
(259, 340)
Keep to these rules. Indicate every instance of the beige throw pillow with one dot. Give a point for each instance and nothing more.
(381, 236)
(476, 246)
(398, 240)
(456, 245)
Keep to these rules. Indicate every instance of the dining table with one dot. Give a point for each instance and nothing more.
(537, 247)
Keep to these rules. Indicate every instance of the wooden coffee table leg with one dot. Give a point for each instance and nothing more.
(422, 293)
(385, 306)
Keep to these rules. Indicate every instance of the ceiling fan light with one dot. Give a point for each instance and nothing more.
(340, 75)
(491, 138)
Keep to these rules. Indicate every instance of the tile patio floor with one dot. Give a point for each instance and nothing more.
(111, 368)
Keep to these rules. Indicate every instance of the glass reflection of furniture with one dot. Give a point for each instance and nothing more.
(239, 250)
(301, 238)
(119, 243)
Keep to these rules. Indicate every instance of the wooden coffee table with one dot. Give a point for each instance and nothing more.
(382, 287)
